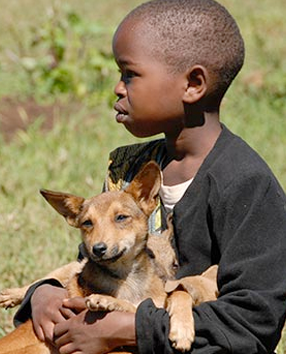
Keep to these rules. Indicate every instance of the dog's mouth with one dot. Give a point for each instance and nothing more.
(106, 260)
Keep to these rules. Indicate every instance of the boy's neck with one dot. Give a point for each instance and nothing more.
(187, 150)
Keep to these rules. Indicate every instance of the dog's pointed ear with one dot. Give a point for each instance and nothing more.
(68, 205)
(172, 285)
(145, 187)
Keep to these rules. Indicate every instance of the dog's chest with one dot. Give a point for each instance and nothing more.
(136, 286)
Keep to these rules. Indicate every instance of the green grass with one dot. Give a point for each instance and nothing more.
(73, 156)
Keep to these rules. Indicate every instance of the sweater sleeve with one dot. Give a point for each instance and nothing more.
(24, 312)
(248, 225)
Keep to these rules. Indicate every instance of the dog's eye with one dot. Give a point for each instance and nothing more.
(87, 223)
(121, 217)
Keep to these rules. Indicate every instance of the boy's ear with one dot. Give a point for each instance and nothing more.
(68, 205)
(145, 187)
(197, 77)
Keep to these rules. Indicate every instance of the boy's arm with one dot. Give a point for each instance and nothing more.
(24, 311)
(249, 227)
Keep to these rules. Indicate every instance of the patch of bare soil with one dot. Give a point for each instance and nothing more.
(16, 115)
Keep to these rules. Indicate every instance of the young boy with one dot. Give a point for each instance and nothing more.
(177, 58)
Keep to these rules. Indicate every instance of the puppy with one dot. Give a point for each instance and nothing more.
(118, 272)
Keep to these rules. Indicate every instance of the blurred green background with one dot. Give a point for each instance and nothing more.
(57, 123)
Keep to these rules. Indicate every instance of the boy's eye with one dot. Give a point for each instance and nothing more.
(127, 75)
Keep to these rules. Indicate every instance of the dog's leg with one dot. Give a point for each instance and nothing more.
(179, 305)
(14, 296)
(23, 341)
(183, 294)
(202, 287)
(97, 302)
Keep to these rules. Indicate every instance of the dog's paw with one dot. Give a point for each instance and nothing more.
(182, 327)
(11, 297)
(181, 335)
(100, 303)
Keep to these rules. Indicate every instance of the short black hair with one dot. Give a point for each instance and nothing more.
(189, 32)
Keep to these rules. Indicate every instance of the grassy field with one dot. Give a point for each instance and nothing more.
(72, 156)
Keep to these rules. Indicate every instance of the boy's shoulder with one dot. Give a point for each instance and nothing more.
(233, 160)
(232, 150)
(126, 161)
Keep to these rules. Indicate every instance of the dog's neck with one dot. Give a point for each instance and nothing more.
(128, 276)
(108, 270)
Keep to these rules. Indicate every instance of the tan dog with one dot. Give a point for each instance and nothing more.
(114, 227)
(165, 264)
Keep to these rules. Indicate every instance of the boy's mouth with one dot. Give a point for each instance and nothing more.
(121, 113)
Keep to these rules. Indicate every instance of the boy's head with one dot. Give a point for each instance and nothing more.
(184, 33)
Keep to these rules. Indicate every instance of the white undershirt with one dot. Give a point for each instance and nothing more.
(170, 195)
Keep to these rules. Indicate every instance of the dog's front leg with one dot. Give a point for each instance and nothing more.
(182, 295)
(97, 302)
(12, 297)
(179, 305)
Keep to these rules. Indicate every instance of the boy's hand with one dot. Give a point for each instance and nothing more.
(47, 310)
(75, 304)
(95, 332)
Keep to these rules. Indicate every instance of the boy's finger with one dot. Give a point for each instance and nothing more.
(39, 333)
(67, 312)
(45, 333)
(77, 304)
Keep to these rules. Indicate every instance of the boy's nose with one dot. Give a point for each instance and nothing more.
(120, 89)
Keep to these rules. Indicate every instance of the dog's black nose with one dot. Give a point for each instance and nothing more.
(99, 249)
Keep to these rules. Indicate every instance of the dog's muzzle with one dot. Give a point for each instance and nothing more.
(99, 249)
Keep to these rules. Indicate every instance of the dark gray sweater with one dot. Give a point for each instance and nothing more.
(233, 214)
